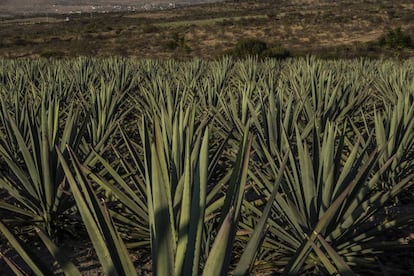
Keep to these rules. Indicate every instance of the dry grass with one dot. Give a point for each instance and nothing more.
(303, 27)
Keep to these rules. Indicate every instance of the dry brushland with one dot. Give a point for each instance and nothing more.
(332, 29)
(243, 138)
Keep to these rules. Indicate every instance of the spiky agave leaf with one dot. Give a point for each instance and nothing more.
(110, 248)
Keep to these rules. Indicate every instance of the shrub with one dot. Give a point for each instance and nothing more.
(177, 41)
(396, 39)
(256, 47)
(52, 54)
(171, 45)
(150, 28)
(249, 47)
(276, 52)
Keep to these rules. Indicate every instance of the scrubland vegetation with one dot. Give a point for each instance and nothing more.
(244, 166)
(327, 29)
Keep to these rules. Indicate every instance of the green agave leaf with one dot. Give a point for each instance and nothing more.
(16, 210)
(64, 261)
(26, 188)
(125, 194)
(250, 251)
(297, 261)
(162, 227)
(185, 213)
(13, 266)
(198, 209)
(215, 261)
(111, 251)
(340, 263)
(307, 177)
(34, 263)
(323, 258)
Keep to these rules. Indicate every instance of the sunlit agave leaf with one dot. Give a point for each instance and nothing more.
(163, 226)
(185, 214)
(215, 261)
(198, 209)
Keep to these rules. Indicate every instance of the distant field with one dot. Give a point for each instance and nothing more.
(324, 28)
(31, 7)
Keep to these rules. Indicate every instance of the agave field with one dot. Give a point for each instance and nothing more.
(301, 166)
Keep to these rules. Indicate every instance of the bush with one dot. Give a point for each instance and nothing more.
(249, 47)
(256, 47)
(276, 52)
(52, 54)
(177, 41)
(396, 39)
(150, 28)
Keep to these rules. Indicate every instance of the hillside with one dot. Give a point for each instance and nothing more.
(347, 29)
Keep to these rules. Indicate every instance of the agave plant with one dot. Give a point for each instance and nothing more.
(321, 218)
(177, 250)
(34, 178)
(30, 258)
(106, 110)
(112, 252)
(394, 82)
(177, 206)
(394, 131)
(322, 95)
(218, 80)
(330, 136)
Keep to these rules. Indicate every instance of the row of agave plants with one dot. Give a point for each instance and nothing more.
(213, 167)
